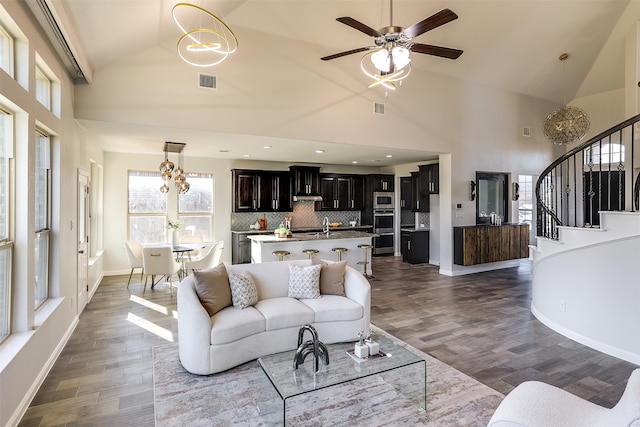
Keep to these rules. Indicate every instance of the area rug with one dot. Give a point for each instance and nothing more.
(243, 396)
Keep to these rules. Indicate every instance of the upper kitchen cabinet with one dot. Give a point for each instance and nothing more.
(244, 190)
(430, 178)
(274, 191)
(305, 181)
(406, 193)
(382, 182)
(341, 192)
(420, 196)
(261, 191)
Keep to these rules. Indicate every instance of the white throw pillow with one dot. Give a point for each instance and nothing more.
(304, 282)
(243, 290)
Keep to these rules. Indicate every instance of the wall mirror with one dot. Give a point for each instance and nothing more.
(491, 196)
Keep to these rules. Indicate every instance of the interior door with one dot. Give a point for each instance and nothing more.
(83, 239)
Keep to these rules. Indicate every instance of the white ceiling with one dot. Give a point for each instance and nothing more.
(509, 44)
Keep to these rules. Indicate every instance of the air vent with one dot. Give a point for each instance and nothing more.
(208, 81)
(378, 108)
(526, 131)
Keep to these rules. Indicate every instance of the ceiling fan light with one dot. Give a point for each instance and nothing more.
(381, 60)
(400, 55)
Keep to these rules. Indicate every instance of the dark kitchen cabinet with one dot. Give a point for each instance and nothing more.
(273, 191)
(261, 191)
(406, 193)
(430, 178)
(240, 249)
(420, 197)
(244, 190)
(415, 246)
(382, 182)
(305, 180)
(341, 192)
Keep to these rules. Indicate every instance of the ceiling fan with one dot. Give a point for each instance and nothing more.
(392, 44)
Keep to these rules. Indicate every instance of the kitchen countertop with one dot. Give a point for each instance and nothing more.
(413, 230)
(305, 230)
(311, 236)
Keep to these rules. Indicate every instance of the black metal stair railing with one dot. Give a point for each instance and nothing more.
(591, 177)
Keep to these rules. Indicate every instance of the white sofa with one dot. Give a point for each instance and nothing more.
(210, 344)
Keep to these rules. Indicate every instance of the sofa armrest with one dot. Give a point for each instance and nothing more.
(357, 288)
(194, 329)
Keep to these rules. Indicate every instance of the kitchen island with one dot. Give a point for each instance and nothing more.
(262, 246)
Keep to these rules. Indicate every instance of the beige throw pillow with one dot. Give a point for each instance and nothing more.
(212, 288)
(331, 276)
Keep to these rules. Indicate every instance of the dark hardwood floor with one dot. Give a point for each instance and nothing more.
(480, 324)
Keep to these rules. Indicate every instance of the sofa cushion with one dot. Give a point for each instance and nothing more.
(330, 308)
(284, 312)
(304, 282)
(212, 288)
(331, 276)
(243, 291)
(231, 324)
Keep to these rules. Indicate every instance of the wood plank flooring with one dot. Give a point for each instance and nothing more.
(479, 324)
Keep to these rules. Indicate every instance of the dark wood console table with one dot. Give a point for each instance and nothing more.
(479, 244)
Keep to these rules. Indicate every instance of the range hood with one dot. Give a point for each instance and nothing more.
(307, 198)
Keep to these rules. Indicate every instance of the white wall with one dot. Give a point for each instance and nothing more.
(27, 355)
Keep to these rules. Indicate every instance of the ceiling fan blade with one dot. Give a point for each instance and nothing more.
(359, 26)
(348, 52)
(434, 21)
(444, 52)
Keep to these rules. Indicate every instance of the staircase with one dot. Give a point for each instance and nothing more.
(586, 262)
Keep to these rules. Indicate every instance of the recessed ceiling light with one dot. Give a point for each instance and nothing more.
(224, 151)
(354, 162)
(389, 155)
(319, 151)
(267, 147)
(246, 155)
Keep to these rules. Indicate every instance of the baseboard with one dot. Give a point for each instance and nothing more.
(31, 394)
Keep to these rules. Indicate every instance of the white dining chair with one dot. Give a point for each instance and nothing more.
(159, 261)
(192, 239)
(211, 255)
(134, 255)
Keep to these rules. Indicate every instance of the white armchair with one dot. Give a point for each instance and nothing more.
(159, 261)
(210, 258)
(134, 255)
(534, 403)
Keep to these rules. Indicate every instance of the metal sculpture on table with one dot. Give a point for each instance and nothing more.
(312, 346)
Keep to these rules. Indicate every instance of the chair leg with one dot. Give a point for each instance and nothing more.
(129, 281)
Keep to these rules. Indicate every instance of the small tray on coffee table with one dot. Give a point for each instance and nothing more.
(380, 355)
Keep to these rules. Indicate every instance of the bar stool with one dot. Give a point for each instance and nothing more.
(365, 248)
(339, 250)
(310, 252)
(281, 254)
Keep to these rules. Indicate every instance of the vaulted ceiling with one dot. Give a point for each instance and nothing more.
(513, 45)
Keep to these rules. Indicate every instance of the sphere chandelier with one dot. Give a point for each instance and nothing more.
(167, 169)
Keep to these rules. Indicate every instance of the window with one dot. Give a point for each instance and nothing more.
(42, 216)
(525, 201)
(6, 246)
(6, 52)
(147, 207)
(604, 154)
(43, 88)
(195, 208)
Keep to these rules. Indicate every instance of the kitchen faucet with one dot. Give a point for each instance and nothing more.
(325, 225)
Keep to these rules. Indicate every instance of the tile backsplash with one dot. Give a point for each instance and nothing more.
(304, 216)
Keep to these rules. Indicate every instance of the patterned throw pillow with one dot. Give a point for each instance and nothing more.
(243, 290)
(304, 282)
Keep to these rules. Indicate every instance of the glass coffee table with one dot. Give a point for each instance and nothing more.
(400, 368)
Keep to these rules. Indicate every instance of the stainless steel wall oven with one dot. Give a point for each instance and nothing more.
(383, 220)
